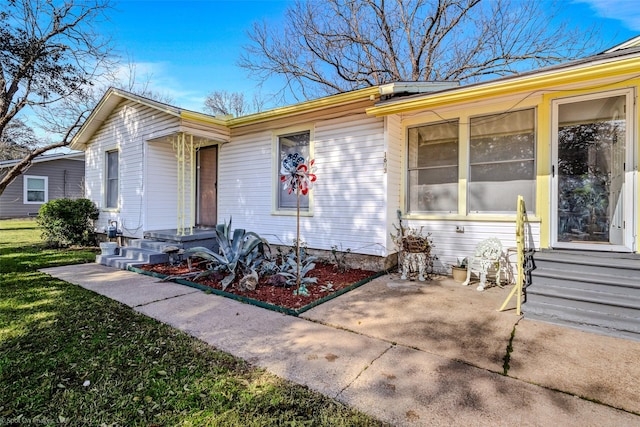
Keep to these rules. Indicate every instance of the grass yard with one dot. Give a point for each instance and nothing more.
(70, 356)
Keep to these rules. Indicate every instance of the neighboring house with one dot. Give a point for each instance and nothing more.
(52, 176)
(452, 159)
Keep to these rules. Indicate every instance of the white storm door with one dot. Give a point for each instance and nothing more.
(592, 197)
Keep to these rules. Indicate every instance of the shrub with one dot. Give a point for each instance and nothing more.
(67, 222)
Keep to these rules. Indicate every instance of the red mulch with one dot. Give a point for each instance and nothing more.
(278, 295)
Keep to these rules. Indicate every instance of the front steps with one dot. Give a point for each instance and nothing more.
(150, 249)
(140, 251)
(593, 291)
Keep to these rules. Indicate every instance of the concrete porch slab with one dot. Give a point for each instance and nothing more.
(593, 366)
(408, 387)
(438, 316)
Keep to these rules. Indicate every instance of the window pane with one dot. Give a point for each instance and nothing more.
(112, 193)
(433, 145)
(35, 184)
(112, 165)
(433, 190)
(290, 144)
(35, 196)
(502, 165)
(495, 187)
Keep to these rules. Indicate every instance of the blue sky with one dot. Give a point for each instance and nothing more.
(190, 48)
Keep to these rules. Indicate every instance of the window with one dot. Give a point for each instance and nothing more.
(433, 168)
(36, 189)
(289, 144)
(111, 197)
(502, 162)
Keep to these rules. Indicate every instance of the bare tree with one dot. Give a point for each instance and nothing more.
(17, 140)
(221, 102)
(49, 54)
(340, 45)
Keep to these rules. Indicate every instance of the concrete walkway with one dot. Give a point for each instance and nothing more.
(407, 353)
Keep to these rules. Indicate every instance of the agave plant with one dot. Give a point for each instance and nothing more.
(236, 249)
(290, 270)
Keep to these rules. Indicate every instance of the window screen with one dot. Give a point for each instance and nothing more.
(112, 179)
(502, 162)
(290, 144)
(433, 168)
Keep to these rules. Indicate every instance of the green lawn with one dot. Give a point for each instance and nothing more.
(70, 356)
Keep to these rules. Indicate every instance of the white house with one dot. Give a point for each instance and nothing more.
(452, 159)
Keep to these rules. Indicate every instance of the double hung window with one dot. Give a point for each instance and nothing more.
(112, 181)
(298, 142)
(36, 189)
(433, 168)
(502, 162)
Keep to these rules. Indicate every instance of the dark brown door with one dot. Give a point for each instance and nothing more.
(207, 186)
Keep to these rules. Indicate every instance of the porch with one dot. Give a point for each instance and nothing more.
(456, 323)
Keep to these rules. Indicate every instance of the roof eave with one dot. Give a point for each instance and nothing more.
(104, 108)
(598, 68)
(370, 93)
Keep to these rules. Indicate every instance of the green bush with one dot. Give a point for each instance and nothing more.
(67, 222)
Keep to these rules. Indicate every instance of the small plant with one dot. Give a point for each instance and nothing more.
(327, 288)
(240, 248)
(67, 222)
(339, 258)
(461, 263)
(290, 270)
(302, 290)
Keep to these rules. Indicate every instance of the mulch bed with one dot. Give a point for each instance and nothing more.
(278, 295)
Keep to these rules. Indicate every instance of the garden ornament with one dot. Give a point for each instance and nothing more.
(488, 254)
(297, 176)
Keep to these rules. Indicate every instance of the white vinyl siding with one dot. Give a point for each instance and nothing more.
(349, 196)
(126, 129)
(450, 245)
(162, 189)
(36, 189)
(393, 172)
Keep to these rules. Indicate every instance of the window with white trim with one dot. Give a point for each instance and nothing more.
(298, 142)
(502, 162)
(36, 189)
(433, 168)
(112, 179)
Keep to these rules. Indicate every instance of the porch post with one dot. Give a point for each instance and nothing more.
(179, 147)
(192, 184)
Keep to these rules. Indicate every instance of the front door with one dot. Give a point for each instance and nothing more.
(207, 186)
(592, 203)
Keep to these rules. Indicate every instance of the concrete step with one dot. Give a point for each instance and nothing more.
(600, 263)
(605, 302)
(130, 255)
(147, 256)
(615, 325)
(589, 290)
(589, 281)
(154, 245)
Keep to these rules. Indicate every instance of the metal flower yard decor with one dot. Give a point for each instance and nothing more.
(297, 176)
